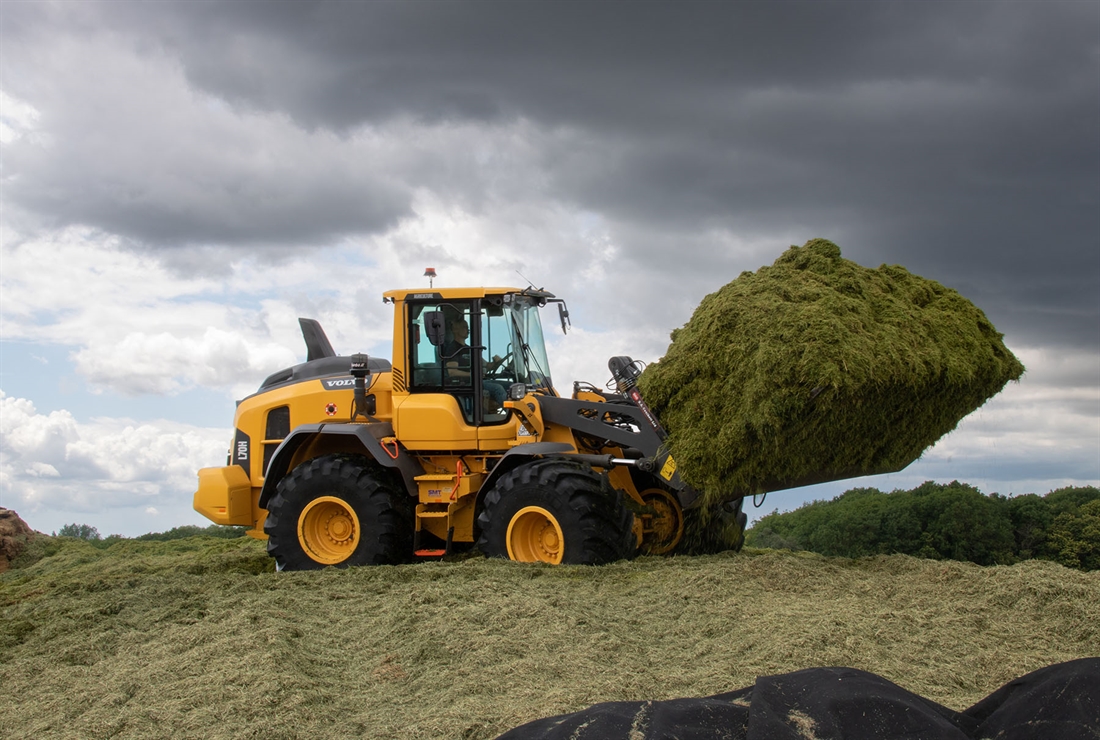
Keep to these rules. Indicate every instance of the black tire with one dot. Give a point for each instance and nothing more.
(594, 525)
(363, 504)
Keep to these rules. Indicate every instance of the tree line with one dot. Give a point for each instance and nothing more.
(91, 534)
(952, 521)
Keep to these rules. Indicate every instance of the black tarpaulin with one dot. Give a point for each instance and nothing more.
(1060, 701)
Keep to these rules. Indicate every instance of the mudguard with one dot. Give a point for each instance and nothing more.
(369, 435)
(518, 455)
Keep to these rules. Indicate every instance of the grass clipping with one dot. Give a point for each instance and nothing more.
(197, 638)
(818, 369)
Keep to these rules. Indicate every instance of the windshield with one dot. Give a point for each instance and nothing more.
(528, 359)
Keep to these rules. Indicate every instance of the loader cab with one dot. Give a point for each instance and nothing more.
(473, 348)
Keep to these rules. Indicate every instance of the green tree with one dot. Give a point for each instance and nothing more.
(79, 531)
(852, 525)
(933, 520)
(190, 530)
(969, 526)
(904, 527)
(1031, 517)
(950, 521)
(764, 534)
(1074, 537)
(1071, 498)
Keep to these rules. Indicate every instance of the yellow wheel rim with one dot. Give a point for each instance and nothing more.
(534, 536)
(665, 528)
(328, 530)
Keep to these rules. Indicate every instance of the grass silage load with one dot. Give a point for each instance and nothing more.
(816, 368)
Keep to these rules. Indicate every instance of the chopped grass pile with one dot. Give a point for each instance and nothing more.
(196, 638)
(815, 369)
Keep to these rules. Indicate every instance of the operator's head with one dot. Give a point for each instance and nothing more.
(460, 329)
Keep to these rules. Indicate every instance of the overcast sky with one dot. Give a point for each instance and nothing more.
(181, 181)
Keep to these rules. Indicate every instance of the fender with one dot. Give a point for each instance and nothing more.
(518, 455)
(369, 436)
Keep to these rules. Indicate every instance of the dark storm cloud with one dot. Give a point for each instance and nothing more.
(628, 65)
(958, 139)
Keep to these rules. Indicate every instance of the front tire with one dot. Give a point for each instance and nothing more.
(337, 510)
(555, 511)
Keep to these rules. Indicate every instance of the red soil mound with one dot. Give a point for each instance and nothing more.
(14, 534)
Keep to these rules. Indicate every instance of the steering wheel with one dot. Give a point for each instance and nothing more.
(494, 366)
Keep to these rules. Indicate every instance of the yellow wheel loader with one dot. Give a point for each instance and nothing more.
(460, 441)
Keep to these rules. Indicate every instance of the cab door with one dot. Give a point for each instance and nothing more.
(501, 361)
(438, 413)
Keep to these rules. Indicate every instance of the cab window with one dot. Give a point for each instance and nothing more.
(450, 367)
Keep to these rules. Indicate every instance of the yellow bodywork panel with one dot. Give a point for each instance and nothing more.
(257, 532)
(498, 436)
(558, 433)
(225, 496)
(443, 488)
(432, 421)
(446, 500)
(309, 402)
(529, 416)
(589, 396)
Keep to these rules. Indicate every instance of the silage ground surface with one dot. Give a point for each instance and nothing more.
(195, 639)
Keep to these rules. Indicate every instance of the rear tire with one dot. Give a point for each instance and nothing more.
(666, 524)
(555, 511)
(336, 510)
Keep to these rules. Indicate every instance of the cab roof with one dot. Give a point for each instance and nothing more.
(454, 294)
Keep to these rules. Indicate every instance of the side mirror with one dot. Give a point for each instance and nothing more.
(435, 326)
(563, 314)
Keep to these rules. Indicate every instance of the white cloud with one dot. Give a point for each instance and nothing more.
(17, 118)
(163, 363)
(582, 355)
(42, 470)
(137, 328)
(55, 469)
(38, 440)
(1038, 434)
